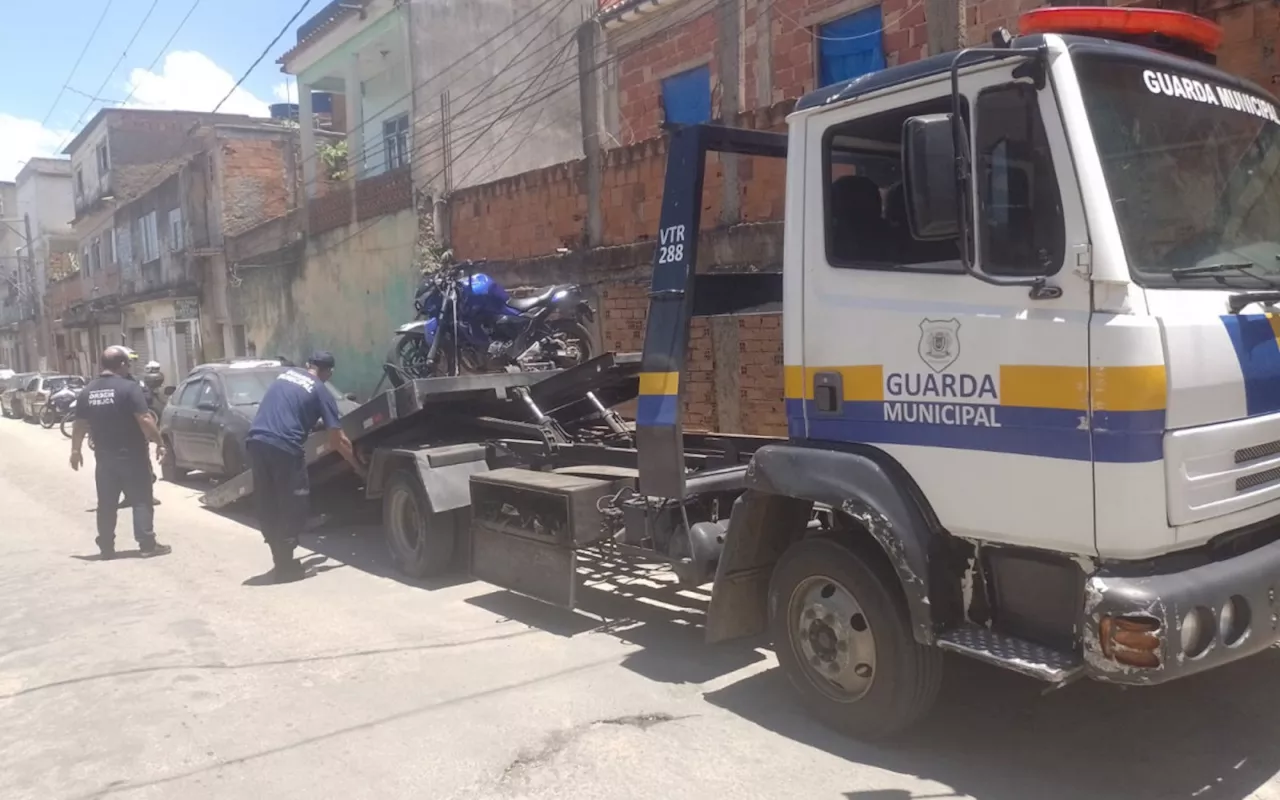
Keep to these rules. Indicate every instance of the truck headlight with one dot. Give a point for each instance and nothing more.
(1197, 631)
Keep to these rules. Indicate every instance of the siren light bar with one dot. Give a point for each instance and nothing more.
(1124, 22)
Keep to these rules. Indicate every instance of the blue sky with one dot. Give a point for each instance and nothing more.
(40, 41)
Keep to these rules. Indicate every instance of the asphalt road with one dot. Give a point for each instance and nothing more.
(184, 677)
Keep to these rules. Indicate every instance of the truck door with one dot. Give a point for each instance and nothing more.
(979, 391)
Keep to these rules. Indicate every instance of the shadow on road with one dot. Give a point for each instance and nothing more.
(994, 735)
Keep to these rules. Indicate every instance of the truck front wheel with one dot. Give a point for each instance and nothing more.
(843, 638)
(420, 540)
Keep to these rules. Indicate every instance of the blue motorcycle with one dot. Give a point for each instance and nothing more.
(468, 323)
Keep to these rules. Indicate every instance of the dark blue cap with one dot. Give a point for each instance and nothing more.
(322, 358)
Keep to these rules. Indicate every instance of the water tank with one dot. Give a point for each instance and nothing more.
(283, 111)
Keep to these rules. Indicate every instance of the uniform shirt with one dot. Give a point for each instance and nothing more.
(111, 404)
(290, 409)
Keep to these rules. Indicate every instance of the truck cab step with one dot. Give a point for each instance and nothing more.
(1002, 650)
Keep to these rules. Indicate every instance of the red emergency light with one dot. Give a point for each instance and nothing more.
(1123, 23)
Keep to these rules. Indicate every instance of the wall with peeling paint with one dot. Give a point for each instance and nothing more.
(347, 293)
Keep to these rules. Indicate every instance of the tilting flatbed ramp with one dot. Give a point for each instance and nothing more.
(398, 413)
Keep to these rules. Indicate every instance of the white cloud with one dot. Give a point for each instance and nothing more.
(21, 139)
(191, 81)
(188, 80)
(285, 92)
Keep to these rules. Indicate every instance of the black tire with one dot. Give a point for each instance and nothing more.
(410, 358)
(47, 419)
(169, 469)
(421, 542)
(68, 424)
(905, 675)
(575, 333)
(232, 460)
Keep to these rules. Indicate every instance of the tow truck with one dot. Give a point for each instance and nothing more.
(1032, 384)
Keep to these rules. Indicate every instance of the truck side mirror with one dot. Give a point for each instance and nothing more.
(169, 390)
(929, 166)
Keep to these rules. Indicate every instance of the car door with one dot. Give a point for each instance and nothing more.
(972, 387)
(179, 420)
(203, 434)
(27, 397)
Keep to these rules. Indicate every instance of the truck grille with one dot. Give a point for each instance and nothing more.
(1257, 451)
(1246, 482)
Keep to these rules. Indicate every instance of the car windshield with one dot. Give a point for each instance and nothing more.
(248, 387)
(1193, 168)
(53, 385)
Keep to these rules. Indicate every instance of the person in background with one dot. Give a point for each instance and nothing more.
(295, 402)
(112, 409)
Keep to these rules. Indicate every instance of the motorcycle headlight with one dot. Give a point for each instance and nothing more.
(560, 295)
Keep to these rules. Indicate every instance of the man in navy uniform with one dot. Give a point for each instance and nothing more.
(112, 409)
(289, 411)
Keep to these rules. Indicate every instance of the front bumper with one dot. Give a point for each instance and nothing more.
(1252, 576)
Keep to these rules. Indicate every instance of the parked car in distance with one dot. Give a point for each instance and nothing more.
(9, 389)
(31, 397)
(208, 415)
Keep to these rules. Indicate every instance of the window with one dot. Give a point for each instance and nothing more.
(395, 141)
(208, 393)
(79, 182)
(686, 96)
(1020, 227)
(186, 396)
(238, 339)
(104, 164)
(866, 203)
(94, 260)
(850, 46)
(175, 229)
(150, 239)
(109, 255)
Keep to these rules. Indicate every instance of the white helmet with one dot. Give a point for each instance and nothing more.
(152, 366)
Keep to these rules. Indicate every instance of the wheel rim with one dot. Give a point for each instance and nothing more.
(832, 639)
(405, 519)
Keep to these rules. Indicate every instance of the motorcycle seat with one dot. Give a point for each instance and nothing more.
(533, 300)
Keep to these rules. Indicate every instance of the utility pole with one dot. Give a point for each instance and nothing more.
(35, 292)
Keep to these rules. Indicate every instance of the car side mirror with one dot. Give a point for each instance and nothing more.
(350, 396)
(168, 391)
(929, 165)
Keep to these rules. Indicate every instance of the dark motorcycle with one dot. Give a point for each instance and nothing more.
(58, 405)
(467, 323)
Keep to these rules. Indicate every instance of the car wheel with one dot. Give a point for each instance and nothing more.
(169, 469)
(232, 460)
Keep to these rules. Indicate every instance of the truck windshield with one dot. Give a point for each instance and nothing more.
(1193, 168)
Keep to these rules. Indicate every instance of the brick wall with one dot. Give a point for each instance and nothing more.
(256, 181)
(665, 53)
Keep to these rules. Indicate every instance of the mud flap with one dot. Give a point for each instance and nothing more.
(526, 528)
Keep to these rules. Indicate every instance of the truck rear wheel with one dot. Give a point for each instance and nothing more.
(420, 540)
(842, 633)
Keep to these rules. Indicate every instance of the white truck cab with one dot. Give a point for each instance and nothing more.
(1031, 367)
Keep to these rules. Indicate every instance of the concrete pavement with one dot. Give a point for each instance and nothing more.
(183, 677)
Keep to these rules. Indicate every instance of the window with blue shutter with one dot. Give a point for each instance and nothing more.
(850, 46)
(686, 96)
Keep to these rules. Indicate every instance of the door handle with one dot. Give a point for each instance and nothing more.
(828, 392)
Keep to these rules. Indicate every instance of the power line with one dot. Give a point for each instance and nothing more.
(111, 72)
(263, 54)
(66, 84)
(164, 48)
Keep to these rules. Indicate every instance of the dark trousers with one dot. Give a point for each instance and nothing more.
(128, 474)
(284, 497)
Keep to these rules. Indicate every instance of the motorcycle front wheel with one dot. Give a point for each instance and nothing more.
(411, 358)
(579, 347)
